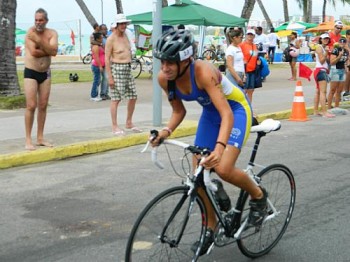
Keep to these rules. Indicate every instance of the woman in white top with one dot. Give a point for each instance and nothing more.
(321, 76)
(234, 58)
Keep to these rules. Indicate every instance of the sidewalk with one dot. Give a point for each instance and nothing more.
(78, 126)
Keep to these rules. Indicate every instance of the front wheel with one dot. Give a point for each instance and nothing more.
(136, 67)
(279, 183)
(168, 227)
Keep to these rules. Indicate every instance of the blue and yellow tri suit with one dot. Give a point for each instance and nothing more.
(210, 120)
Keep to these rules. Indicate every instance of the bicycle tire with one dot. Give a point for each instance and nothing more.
(279, 182)
(145, 243)
(87, 59)
(209, 55)
(136, 67)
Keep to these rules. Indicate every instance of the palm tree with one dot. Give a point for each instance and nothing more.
(118, 4)
(247, 9)
(333, 2)
(266, 16)
(306, 6)
(285, 10)
(86, 12)
(8, 69)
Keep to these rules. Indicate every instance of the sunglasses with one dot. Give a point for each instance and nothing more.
(339, 28)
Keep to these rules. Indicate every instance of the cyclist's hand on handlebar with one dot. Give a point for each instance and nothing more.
(212, 160)
(157, 137)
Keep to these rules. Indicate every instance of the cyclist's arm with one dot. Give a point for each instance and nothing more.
(178, 108)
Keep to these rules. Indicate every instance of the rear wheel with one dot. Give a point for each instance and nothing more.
(136, 67)
(279, 182)
(167, 228)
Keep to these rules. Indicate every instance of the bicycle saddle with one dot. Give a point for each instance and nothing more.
(266, 126)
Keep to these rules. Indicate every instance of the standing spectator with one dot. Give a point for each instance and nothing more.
(261, 41)
(339, 61)
(274, 41)
(250, 55)
(335, 35)
(41, 44)
(295, 44)
(234, 58)
(96, 28)
(104, 81)
(97, 66)
(346, 93)
(121, 82)
(321, 76)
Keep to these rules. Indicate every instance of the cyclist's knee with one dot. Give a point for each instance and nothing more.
(224, 171)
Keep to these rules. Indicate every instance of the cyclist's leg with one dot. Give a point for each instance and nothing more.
(228, 171)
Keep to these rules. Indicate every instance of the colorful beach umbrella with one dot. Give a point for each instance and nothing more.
(324, 27)
(295, 26)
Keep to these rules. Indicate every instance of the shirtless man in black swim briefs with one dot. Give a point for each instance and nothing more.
(41, 43)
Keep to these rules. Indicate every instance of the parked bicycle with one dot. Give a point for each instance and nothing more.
(140, 64)
(173, 221)
(214, 54)
(87, 58)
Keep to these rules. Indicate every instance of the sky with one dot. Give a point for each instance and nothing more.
(68, 10)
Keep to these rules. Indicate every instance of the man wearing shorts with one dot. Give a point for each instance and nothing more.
(121, 82)
(41, 43)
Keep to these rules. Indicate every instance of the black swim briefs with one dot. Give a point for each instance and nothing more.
(38, 76)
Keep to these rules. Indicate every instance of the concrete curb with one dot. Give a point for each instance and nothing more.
(187, 128)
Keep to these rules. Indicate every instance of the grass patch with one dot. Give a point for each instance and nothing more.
(12, 102)
(61, 76)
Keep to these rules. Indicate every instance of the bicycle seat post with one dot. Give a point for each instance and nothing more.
(255, 148)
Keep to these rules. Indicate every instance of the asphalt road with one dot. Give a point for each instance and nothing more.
(82, 209)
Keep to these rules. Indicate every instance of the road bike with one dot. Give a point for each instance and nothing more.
(172, 226)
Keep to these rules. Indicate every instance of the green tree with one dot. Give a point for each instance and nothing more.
(8, 69)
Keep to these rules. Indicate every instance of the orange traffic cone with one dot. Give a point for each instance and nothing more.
(298, 109)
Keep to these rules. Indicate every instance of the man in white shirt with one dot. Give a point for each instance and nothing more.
(261, 41)
(274, 41)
